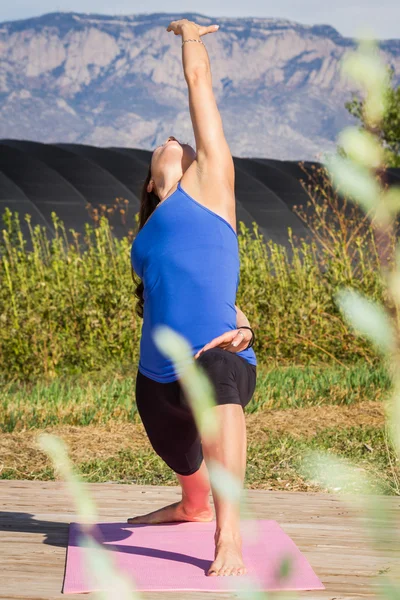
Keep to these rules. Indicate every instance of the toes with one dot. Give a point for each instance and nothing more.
(213, 570)
(233, 571)
(226, 571)
(133, 520)
(238, 571)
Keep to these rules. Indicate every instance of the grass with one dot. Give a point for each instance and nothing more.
(338, 408)
(273, 463)
(298, 386)
(95, 398)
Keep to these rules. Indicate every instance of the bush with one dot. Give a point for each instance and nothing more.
(69, 307)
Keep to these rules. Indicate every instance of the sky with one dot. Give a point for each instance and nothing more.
(352, 18)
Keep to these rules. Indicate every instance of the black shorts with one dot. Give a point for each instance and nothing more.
(166, 414)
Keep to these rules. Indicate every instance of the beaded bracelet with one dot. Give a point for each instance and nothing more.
(200, 41)
(252, 333)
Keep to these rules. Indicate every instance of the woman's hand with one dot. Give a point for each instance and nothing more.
(235, 340)
(176, 27)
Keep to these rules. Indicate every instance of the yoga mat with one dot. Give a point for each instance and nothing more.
(177, 556)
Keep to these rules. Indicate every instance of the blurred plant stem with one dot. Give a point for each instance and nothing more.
(360, 174)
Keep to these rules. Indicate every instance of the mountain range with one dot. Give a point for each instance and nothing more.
(118, 81)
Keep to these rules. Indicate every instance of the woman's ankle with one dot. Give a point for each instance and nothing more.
(228, 532)
(204, 514)
(196, 506)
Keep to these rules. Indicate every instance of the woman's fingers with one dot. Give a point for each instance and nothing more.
(176, 27)
(216, 342)
(203, 30)
(227, 341)
(238, 339)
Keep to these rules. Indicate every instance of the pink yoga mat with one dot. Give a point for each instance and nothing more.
(177, 556)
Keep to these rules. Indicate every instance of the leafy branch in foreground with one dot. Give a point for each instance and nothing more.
(388, 128)
(359, 174)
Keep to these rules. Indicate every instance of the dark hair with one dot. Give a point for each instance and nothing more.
(148, 203)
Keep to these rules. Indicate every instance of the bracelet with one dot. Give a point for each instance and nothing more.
(191, 41)
(252, 333)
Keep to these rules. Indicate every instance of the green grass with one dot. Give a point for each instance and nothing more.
(96, 398)
(299, 387)
(282, 456)
(277, 462)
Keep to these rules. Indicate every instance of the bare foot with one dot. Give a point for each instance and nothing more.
(175, 512)
(228, 557)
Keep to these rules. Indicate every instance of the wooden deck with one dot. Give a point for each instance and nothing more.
(34, 518)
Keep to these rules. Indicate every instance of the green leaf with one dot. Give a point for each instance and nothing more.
(361, 146)
(57, 450)
(285, 567)
(389, 589)
(336, 474)
(100, 567)
(226, 485)
(367, 318)
(354, 181)
(366, 67)
(197, 387)
(391, 198)
(101, 570)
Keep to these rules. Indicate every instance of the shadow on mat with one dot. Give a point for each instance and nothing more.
(110, 533)
(56, 534)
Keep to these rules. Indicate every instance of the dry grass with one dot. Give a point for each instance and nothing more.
(307, 422)
(19, 451)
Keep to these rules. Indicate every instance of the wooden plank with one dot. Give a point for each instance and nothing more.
(34, 518)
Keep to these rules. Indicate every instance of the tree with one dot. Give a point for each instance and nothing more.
(388, 130)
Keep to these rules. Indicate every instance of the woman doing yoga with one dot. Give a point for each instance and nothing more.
(187, 258)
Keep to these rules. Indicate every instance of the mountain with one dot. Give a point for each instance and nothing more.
(118, 81)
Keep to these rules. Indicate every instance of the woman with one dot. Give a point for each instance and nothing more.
(186, 254)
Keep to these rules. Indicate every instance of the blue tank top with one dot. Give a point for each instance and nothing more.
(188, 259)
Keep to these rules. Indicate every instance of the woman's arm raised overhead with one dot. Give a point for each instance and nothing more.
(214, 159)
(213, 154)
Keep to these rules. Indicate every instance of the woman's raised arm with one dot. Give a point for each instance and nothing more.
(213, 154)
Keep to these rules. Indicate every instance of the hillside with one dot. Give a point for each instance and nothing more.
(102, 80)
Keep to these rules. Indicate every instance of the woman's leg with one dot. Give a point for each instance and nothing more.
(234, 380)
(196, 490)
(194, 505)
(173, 434)
(228, 449)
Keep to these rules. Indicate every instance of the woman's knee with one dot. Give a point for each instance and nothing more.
(214, 350)
(212, 361)
(211, 355)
